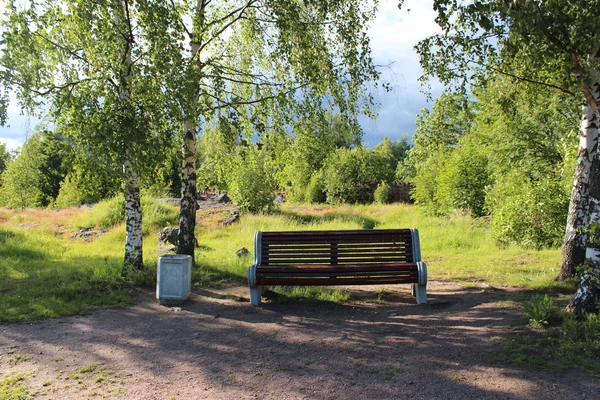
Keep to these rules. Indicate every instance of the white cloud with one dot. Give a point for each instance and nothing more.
(394, 33)
(10, 144)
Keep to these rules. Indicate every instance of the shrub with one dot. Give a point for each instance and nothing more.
(105, 214)
(538, 310)
(382, 193)
(462, 181)
(315, 192)
(350, 175)
(111, 212)
(531, 214)
(250, 186)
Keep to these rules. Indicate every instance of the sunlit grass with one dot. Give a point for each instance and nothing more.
(457, 248)
(45, 274)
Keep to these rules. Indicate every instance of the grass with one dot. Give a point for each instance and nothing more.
(12, 387)
(458, 248)
(46, 273)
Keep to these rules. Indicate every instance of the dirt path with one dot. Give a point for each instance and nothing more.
(216, 348)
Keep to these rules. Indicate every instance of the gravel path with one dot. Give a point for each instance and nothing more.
(215, 347)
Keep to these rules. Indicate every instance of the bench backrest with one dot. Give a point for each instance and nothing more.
(382, 246)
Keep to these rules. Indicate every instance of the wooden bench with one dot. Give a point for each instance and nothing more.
(319, 258)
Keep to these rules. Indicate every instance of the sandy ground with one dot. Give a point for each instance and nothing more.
(220, 347)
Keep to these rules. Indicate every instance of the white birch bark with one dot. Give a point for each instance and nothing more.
(587, 296)
(573, 250)
(133, 209)
(186, 239)
(133, 218)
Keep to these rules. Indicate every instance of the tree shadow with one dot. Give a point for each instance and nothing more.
(363, 349)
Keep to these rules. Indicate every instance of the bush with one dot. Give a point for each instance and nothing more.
(315, 192)
(382, 193)
(350, 175)
(462, 181)
(531, 214)
(538, 310)
(105, 214)
(250, 186)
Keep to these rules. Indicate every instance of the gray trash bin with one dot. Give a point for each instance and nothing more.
(174, 279)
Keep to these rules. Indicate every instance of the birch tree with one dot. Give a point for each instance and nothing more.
(257, 63)
(86, 64)
(551, 43)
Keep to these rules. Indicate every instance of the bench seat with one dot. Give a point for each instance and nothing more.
(323, 258)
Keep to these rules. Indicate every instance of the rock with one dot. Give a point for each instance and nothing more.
(243, 252)
(232, 219)
(168, 235)
(279, 199)
(222, 198)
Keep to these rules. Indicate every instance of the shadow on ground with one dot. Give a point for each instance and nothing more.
(381, 345)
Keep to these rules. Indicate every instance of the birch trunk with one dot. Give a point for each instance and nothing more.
(588, 293)
(186, 238)
(133, 215)
(133, 208)
(573, 249)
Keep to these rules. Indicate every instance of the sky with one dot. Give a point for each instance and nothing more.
(393, 35)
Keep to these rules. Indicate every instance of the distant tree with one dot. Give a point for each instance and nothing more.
(4, 157)
(351, 175)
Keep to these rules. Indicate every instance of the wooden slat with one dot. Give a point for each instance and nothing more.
(370, 274)
(335, 281)
(323, 260)
(351, 267)
(326, 250)
(341, 232)
(307, 254)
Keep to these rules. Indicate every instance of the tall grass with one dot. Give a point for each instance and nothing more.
(457, 248)
(44, 274)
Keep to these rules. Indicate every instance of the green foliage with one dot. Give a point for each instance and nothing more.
(425, 181)
(528, 213)
(463, 180)
(5, 157)
(509, 158)
(158, 214)
(316, 136)
(351, 175)
(33, 178)
(534, 41)
(105, 214)
(249, 183)
(382, 193)
(539, 310)
(575, 344)
(46, 276)
(310, 293)
(315, 191)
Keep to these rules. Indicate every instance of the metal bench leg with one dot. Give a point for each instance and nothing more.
(255, 290)
(421, 287)
(413, 289)
(255, 293)
(421, 293)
